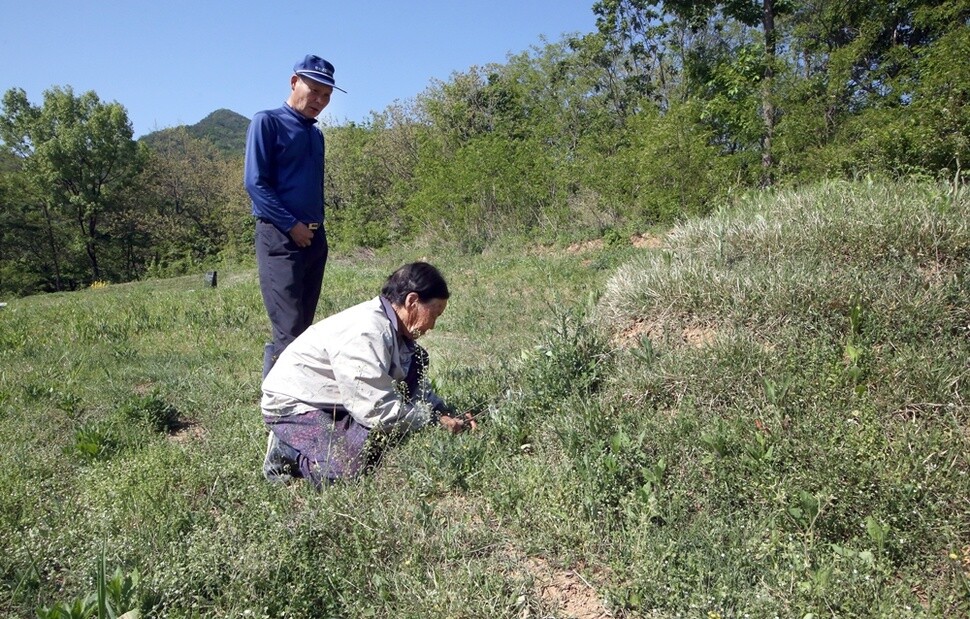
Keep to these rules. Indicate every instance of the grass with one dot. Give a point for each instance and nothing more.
(825, 406)
(765, 416)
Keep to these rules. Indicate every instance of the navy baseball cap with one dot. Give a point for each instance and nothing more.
(316, 69)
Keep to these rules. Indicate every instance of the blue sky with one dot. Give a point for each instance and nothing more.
(172, 62)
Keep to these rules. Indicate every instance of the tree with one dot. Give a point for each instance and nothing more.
(185, 177)
(750, 13)
(630, 50)
(370, 176)
(941, 101)
(884, 87)
(78, 158)
(501, 146)
(23, 238)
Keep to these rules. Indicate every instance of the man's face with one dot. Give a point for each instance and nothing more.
(308, 97)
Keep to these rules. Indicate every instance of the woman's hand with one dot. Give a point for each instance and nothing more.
(457, 425)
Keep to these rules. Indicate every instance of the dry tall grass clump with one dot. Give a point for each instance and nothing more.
(799, 362)
(800, 257)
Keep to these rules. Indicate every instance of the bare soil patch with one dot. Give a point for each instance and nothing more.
(646, 240)
(565, 591)
(698, 336)
(585, 246)
(695, 336)
(187, 431)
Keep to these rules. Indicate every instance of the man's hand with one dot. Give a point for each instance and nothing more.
(301, 235)
(457, 425)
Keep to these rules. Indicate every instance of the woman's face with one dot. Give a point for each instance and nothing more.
(422, 315)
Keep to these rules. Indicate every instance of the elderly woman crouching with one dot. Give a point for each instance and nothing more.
(354, 378)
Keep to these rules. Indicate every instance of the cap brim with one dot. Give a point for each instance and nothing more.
(320, 78)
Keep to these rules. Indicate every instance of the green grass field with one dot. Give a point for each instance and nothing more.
(761, 414)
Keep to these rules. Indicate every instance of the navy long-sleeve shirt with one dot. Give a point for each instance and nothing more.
(284, 167)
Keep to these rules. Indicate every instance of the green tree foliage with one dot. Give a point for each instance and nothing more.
(655, 116)
(370, 177)
(667, 168)
(942, 92)
(815, 87)
(910, 110)
(24, 239)
(694, 30)
(78, 160)
(81, 201)
(632, 60)
(225, 129)
(188, 183)
(488, 163)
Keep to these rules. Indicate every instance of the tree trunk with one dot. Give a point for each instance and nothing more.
(93, 257)
(767, 105)
(53, 247)
(89, 227)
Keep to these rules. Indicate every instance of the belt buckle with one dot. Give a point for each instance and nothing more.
(313, 226)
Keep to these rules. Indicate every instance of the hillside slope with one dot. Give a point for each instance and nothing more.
(224, 128)
(762, 414)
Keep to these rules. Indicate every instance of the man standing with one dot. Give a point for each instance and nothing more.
(284, 178)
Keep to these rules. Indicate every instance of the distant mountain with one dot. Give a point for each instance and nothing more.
(224, 128)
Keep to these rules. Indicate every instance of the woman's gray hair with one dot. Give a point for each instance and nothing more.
(418, 277)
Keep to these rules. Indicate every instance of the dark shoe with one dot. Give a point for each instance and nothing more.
(278, 468)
